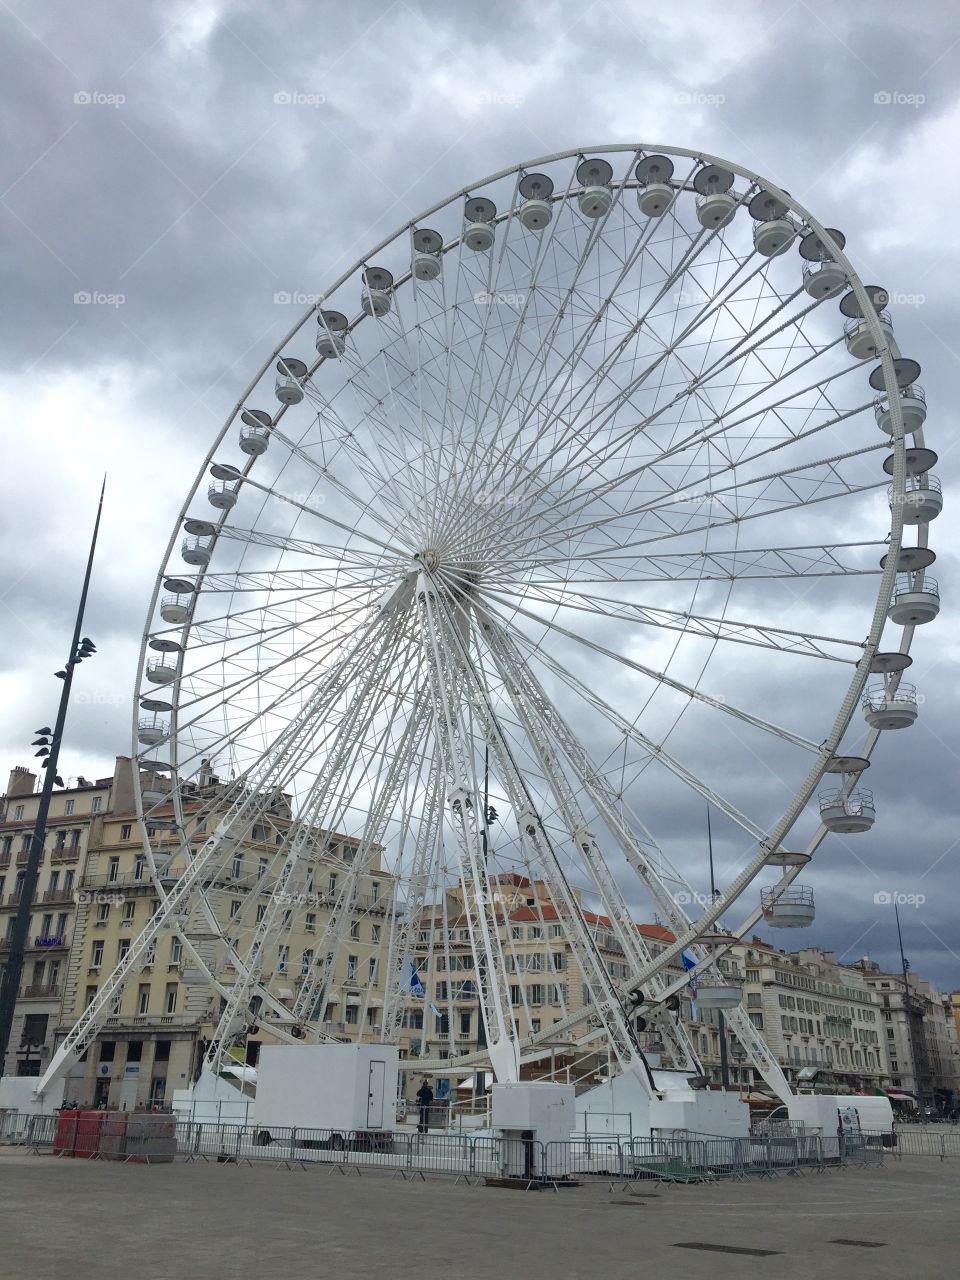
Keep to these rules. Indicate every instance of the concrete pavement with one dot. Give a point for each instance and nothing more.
(76, 1220)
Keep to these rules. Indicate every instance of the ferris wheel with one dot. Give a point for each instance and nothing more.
(580, 499)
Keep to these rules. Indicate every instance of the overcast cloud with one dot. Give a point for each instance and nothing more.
(179, 165)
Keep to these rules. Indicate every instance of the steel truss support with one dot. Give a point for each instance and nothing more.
(267, 777)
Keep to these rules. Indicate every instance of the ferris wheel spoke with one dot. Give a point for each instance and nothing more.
(843, 559)
(242, 805)
(363, 706)
(200, 676)
(691, 385)
(721, 704)
(370, 462)
(556, 881)
(330, 478)
(805, 486)
(670, 347)
(263, 620)
(284, 694)
(332, 578)
(543, 725)
(484, 459)
(760, 635)
(711, 432)
(385, 795)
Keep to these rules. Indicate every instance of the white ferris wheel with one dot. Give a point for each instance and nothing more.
(582, 494)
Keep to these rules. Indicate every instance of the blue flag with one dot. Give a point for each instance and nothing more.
(410, 982)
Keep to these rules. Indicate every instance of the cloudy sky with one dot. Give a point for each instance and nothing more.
(171, 169)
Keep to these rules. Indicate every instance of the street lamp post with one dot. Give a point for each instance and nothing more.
(49, 742)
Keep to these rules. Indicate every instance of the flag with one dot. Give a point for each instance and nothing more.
(689, 962)
(410, 983)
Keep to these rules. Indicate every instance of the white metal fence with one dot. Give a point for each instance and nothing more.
(678, 1158)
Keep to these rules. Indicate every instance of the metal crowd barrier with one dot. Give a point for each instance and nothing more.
(677, 1157)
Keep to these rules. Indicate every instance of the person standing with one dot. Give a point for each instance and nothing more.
(425, 1099)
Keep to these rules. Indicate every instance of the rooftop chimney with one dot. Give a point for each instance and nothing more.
(21, 782)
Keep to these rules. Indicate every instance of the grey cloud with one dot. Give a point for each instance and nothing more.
(418, 100)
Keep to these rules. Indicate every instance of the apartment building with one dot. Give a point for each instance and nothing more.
(96, 894)
(72, 823)
(920, 1030)
(543, 978)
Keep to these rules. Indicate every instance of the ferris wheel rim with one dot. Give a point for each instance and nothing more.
(836, 251)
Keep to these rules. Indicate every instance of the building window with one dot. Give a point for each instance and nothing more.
(306, 960)
(90, 995)
(138, 868)
(18, 813)
(262, 869)
(129, 910)
(95, 804)
(237, 870)
(261, 911)
(96, 955)
(125, 831)
(351, 1013)
(103, 912)
(7, 844)
(113, 871)
(143, 1000)
(34, 1028)
(351, 968)
(535, 994)
(375, 891)
(234, 907)
(355, 930)
(68, 808)
(332, 883)
(176, 950)
(282, 959)
(372, 971)
(75, 838)
(170, 998)
(123, 946)
(310, 923)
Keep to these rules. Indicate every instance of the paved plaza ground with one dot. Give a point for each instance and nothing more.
(74, 1220)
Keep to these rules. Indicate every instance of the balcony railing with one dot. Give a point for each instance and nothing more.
(40, 991)
(128, 880)
(66, 854)
(58, 895)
